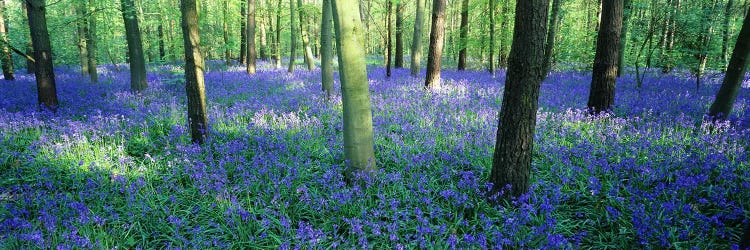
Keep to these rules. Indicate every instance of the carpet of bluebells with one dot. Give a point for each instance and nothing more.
(113, 169)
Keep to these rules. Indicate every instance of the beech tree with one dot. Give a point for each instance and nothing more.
(730, 87)
(7, 60)
(359, 149)
(44, 72)
(251, 54)
(464, 34)
(135, 46)
(399, 56)
(437, 37)
(194, 85)
(292, 38)
(416, 41)
(604, 73)
(511, 161)
(326, 49)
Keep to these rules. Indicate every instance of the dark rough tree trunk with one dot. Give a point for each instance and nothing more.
(162, 48)
(82, 28)
(464, 34)
(725, 35)
(7, 59)
(243, 32)
(326, 49)
(194, 85)
(549, 47)
(623, 37)
(305, 38)
(30, 64)
(437, 39)
(135, 47)
(44, 72)
(278, 35)
(91, 42)
(416, 42)
(355, 93)
(292, 37)
(389, 11)
(511, 162)
(251, 52)
(399, 60)
(491, 67)
(604, 73)
(730, 87)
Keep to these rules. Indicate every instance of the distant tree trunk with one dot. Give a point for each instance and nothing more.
(7, 59)
(91, 43)
(30, 64)
(135, 47)
(549, 48)
(491, 67)
(251, 56)
(389, 11)
(399, 63)
(667, 61)
(464, 34)
(623, 37)
(326, 49)
(82, 28)
(243, 32)
(437, 38)
(416, 41)
(225, 33)
(730, 87)
(162, 48)
(292, 37)
(194, 85)
(44, 72)
(511, 161)
(725, 36)
(704, 41)
(355, 94)
(263, 43)
(604, 73)
(502, 58)
(305, 38)
(278, 35)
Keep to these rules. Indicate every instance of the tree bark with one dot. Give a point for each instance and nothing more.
(44, 72)
(730, 87)
(135, 47)
(491, 67)
(623, 37)
(604, 73)
(511, 162)
(355, 94)
(437, 38)
(278, 35)
(416, 42)
(225, 33)
(292, 37)
(82, 28)
(91, 42)
(251, 52)
(305, 38)
(549, 48)
(399, 60)
(243, 32)
(326, 49)
(464, 34)
(162, 48)
(7, 59)
(194, 85)
(389, 11)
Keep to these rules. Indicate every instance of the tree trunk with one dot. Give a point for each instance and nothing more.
(623, 37)
(511, 162)
(399, 63)
(162, 48)
(7, 59)
(82, 28)
(194, 85)
(326, 49)
(263, 43)
(135, 47)
(604, 73)
(251, 56)
(491, 67)
(355, 94)
(437, 37)
(416, 41)
(725, 36)
(730, 87)
(389, 11)
(225, 33)
(502, 58)
(44, 72)
(292, 37)
(243, 32)
(549, 48)
(278, 35)
(464, 34)
(91, 43)
(305, 38)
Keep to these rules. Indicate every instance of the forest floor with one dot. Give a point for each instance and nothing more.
(113, 169)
